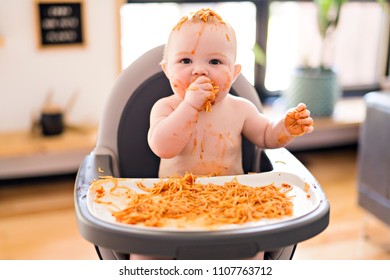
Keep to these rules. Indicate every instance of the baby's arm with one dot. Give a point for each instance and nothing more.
(277, 133)
(171, 129)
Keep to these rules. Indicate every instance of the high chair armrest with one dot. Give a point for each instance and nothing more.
(93, 167)
(281, 160)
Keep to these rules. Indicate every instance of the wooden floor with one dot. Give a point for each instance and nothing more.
(37, 220)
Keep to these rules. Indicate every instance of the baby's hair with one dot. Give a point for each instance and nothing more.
(205, 15)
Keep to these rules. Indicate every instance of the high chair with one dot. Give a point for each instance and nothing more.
(122, 151)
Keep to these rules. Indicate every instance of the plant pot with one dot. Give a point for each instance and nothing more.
(52, 123)
(318, 88)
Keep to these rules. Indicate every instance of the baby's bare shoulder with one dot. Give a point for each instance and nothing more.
(163, 107)
(240, 103)
(167, 102)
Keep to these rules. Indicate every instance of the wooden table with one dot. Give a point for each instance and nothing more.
(25, 154)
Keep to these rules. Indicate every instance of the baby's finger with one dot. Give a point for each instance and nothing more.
(306, 121)
(301, 107)
(303, 114)
(202, 80)
(207, 87)
(308, 129)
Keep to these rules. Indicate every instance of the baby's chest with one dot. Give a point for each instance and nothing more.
(211, 136)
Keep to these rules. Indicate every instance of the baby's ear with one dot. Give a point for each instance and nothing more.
(237, 71)
(164, 67)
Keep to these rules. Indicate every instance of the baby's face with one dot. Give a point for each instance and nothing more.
(197, 49)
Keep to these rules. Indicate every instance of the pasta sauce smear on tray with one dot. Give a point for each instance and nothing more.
(183, 202)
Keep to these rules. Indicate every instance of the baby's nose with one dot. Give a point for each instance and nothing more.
(200, 70)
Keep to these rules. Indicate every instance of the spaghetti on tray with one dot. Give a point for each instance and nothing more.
(180, 201)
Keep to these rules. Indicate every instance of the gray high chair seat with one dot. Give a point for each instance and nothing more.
(122, 151)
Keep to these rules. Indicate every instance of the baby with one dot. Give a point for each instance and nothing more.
(199, 128)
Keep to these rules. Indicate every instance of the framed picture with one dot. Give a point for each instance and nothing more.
(60, 23)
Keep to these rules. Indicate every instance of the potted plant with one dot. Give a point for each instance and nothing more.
(318, 87)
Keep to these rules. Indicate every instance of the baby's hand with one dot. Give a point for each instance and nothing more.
(200, 94)
(298, 121)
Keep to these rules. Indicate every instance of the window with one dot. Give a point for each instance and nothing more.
(147, 25)
(359, 46)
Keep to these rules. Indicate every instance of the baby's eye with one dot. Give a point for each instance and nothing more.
(185, 61)
(214, 62)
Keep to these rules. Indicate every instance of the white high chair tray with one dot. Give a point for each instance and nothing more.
(304, 196)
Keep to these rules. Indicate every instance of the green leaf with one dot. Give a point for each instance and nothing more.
(328, 14)
(259, 55)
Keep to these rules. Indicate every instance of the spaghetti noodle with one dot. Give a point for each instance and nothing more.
(181, 201)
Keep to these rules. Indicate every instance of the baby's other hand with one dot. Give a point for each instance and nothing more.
(298, 120)
(200, 93)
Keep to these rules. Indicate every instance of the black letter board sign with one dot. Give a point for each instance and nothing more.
(60, 23)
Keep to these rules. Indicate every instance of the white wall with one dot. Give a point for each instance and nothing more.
(28, 73)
